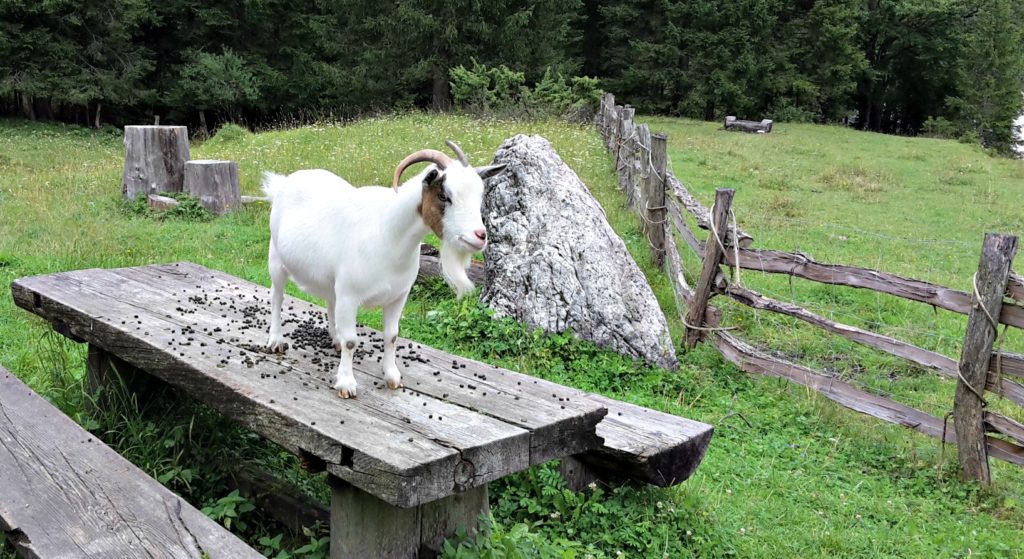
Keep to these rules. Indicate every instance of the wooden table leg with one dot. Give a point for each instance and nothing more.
(107, 375)
(364, 526)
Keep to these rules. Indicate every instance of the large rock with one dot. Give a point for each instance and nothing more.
(555, 263)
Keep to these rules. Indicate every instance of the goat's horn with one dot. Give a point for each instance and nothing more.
(458, 151)
(431, 155)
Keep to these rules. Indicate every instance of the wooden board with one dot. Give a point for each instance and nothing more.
(752, 360)
(803, 266)
(66, 494)
(458, 424)
(646, 445)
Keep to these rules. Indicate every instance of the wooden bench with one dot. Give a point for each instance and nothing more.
(407, 467)
(63, 493)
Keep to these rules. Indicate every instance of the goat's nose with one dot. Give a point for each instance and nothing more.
(481, 234)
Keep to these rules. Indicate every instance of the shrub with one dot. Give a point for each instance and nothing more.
(501, 90)
(230, 133)
(938, 127)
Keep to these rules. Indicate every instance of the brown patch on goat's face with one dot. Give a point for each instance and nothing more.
(432, 206)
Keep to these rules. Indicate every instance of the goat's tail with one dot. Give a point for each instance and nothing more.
(272, 184)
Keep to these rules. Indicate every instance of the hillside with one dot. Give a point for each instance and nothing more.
(787, 474)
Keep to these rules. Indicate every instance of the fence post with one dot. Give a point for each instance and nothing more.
(624, 158)
(654, 209)
(968, 406)
(709, 269)
(635, 170)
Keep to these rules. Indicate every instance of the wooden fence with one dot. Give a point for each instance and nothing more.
(662, 202)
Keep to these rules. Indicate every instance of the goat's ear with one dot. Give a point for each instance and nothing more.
(432, 177)
(489, 171)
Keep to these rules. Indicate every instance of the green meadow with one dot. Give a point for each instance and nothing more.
(788, 473)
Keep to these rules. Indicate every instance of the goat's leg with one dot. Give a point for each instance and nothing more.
(278, 281)
(345, 322)
(332, 331)
(392, 314)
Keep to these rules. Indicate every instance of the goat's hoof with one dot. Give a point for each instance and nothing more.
(337, 347)
(277, 346)
(346, 387)
(393, 379)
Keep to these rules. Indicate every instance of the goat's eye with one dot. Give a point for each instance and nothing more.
(443, 197)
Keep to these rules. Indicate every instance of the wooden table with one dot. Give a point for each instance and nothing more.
(409, 466)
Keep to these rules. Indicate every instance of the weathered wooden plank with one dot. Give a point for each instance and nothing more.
(66, 494)
(936, 361)
(803, 266)
(1015, 288)
(1007, 363)
(205, 301)
(387, 442)
(968, 406)
(892, 346)
(684, 230)
(646, 445)
(1005, 426)
(751, 360)
(552, 413)
(702, 214)
(709, 270)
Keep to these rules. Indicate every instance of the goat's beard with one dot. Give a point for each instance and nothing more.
(454, 262)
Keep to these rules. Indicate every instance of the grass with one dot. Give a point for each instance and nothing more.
(787, 473)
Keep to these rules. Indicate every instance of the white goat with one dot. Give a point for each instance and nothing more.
(359, 247)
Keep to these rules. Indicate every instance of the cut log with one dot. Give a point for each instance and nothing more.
(215, 184)
(553, 261)
(161, 203)
(154, 160)
(734, 124)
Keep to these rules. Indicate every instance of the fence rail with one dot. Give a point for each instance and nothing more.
(649, 185)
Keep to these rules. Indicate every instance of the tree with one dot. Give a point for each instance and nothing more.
(215, 81)
(990, 73)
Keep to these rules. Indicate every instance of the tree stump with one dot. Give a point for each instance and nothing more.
(214, 183)
(154, 159)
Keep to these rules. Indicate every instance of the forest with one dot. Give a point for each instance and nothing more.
(949, 68)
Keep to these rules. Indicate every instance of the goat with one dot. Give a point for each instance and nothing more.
(359, 247)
